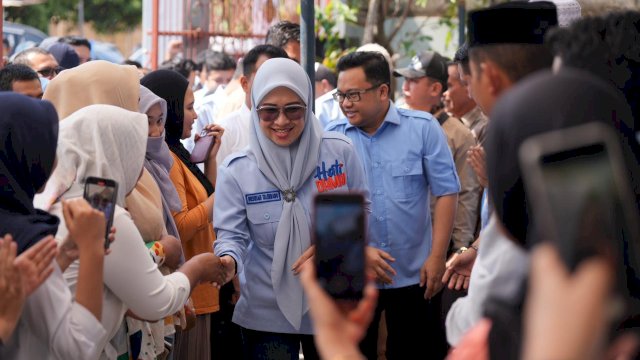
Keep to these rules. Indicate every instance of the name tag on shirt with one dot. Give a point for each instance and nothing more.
(262, 197)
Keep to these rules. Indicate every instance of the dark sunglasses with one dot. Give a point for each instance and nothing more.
(292, 112)
(49, 71)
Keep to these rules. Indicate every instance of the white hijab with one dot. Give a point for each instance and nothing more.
(104, 141)
(288, 168)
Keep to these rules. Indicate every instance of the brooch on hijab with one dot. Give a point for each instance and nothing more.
(289, 195)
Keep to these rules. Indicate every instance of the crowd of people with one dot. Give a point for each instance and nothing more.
(217, 162)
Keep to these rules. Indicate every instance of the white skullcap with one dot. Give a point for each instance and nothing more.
(568, 11)
(378, 48)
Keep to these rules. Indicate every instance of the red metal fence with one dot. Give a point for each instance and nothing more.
(234, 26)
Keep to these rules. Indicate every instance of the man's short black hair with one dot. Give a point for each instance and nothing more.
(15, 72)
(74, 40)
(373, 63)
(23, 56)
(516, 60)
(607, 46)
(183, 66)
(217, 60)
(250, 60)
(462, 58)
(324, 73)
(281, 33)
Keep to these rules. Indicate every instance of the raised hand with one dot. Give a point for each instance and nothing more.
(476, 157)
(36, 264)
(337, 332)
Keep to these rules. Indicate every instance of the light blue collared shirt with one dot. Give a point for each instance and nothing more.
(407, 155)
(246, 215)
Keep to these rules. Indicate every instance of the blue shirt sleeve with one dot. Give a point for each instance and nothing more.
(230, 219)
(438, 162)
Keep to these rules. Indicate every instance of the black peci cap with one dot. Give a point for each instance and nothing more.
(512, 23)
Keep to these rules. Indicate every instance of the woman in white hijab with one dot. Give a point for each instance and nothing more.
(110, 142)
(261, 237)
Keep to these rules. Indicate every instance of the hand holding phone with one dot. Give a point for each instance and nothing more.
(102, 194)
(202, 147)
(207, 143)
(339, 236)
(85, 224)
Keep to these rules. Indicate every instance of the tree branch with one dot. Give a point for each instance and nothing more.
(401, 21)
(371, 22)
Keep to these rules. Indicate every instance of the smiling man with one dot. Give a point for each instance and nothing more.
(405, 153)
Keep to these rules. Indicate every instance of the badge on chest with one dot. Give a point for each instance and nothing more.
(330, 177)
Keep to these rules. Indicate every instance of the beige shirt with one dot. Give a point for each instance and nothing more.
(476, 121)
(460, 139)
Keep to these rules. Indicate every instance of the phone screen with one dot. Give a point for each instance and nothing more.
(102, 196)
(585, 204)
(339, 229)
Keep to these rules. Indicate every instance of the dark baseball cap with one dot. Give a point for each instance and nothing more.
(428, 63)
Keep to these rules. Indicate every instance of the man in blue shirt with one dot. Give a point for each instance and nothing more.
(405, 153)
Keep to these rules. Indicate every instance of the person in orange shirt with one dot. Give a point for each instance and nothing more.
(195, 189)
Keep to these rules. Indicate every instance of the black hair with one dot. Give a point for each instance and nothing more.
(516, 60)
(75, 41)
(183, 66)
(23, 56)
(15, 72)
(132, 62)
(5, 42)
(462, 58)
(607, 46)
(373, 63)
(281, 33)
(249, 61)
(324, 73)
(217, 60)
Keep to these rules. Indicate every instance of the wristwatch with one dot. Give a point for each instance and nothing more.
(461, 250)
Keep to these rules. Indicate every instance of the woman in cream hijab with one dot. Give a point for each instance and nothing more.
(261, 240)
(109, 142)
(102, 82)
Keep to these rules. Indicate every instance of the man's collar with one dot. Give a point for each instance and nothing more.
(392, 117)
(472, 116)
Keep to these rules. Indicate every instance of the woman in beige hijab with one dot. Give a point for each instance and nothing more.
(102, 82)
(109, 142)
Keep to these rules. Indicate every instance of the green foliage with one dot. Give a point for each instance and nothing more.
(106, 15)
(326, 27)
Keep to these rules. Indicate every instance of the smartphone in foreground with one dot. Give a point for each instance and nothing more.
(101, 194)
(578, 190)
(339, 236)
(580, 196)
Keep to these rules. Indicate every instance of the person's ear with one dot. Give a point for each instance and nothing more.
(436, 89)
(384, 91)
(244, 82)
(496, 78)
